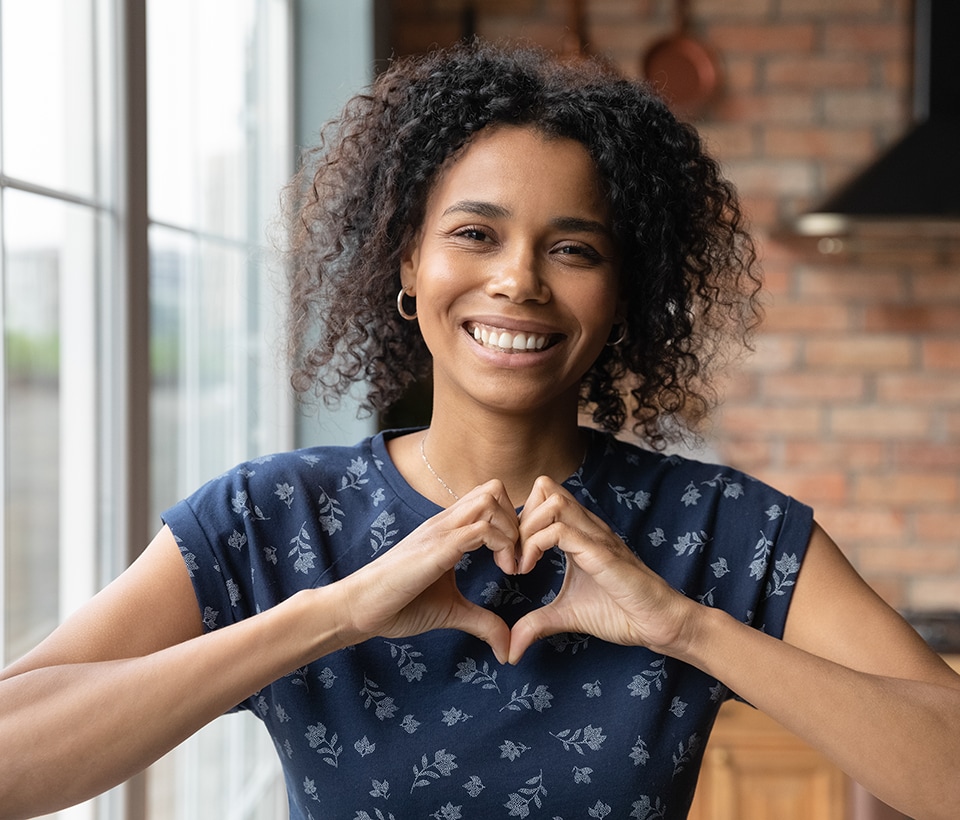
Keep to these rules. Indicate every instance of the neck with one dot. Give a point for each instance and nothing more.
(468, 449)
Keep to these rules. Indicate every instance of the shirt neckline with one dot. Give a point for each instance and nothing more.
(423, 506)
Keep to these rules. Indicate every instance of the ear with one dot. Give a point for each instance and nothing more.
(409, 264)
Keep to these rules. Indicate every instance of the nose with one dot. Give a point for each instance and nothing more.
(518, 277)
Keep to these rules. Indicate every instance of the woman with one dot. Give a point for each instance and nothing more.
(505, 613)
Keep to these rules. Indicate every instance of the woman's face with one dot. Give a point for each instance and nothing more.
(515, 271)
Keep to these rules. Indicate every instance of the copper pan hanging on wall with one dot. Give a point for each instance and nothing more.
(682, 68)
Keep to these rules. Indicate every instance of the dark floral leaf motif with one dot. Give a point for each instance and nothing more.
(519, 805)
(443, 764)
(691, 495)
(631, 499)
(538, 700)
(639, 754)
(328, 510)
(469, 672)
(645, 809)
(785, 568)
(506, 592)
(354, 478)
(685, 754)
(641, 684)
(326, 747)
(691, 543)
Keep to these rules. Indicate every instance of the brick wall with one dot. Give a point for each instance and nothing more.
(852, 398)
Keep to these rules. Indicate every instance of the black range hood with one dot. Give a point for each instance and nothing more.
(918, 179)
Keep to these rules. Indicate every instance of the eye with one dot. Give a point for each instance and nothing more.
(473, 233)
(582, 254)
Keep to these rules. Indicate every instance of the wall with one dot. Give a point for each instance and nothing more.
(851, 399)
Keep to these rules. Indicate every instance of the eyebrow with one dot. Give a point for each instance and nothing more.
(491, 210)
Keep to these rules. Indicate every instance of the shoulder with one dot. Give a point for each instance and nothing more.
(616, 459)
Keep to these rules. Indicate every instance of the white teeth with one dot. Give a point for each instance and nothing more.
(505, 340)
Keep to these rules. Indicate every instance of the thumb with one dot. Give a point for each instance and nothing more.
(483, 624)
(533, 626)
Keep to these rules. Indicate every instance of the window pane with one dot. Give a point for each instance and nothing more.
(200, 129)
(48, 244)
(48, 101)
(207, 347)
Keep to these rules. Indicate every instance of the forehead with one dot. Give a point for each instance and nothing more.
(517, 166)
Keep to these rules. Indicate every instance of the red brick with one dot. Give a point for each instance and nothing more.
(747, 454)
(783, 107)
(767, 176)
(818, 143)
(854, 455)
(830, 8)
(923, 455)
(742, 9)
(828, 486)
(853, 282)
(868, 38)
(920, 489)
(908, 560)
(831, 72)
(812, 386)
(849, 524)
(762, 38)
(739, 75)
(879, 422)
(770, 422)
(776, 281)
(912, 319)
(936, 286)
(876, 352)
(941, 354)
(783, 316)
(728, 141)
(938, 526)
(930, 390)
(773, 352)
(863, 106)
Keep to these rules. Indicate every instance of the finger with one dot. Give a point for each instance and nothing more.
(496, 525)
(532, 627)
(483, 624)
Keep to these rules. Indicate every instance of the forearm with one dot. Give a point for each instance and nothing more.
(899, 738)
(72, 731)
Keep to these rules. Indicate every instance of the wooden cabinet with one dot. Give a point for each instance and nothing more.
(755, 770)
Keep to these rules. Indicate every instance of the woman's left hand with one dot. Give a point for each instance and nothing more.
(607, 591)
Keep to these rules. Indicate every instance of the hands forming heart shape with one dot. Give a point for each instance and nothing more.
(607, 591)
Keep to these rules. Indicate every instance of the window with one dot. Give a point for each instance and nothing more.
(220, 149)
(74, 257)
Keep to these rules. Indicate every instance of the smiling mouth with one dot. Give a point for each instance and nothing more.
(510, 341)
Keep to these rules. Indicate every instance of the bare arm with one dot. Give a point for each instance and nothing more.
(850, 677)
(130, 676)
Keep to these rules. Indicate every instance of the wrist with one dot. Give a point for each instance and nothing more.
(327, 611)
(701, 636)
(697, 623)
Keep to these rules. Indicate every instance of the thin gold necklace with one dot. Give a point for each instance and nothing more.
(433, 472)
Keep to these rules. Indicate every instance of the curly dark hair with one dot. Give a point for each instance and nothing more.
(688, 275)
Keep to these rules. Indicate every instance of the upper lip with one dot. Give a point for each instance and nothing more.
(513, 325)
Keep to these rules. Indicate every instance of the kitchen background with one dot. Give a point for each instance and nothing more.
(851, 400)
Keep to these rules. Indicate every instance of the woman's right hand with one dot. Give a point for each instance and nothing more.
(412, 587)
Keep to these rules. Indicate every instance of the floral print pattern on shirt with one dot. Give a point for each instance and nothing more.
(432, 726)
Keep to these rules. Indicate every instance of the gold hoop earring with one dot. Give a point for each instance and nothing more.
(621, 337)
(408, 316)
